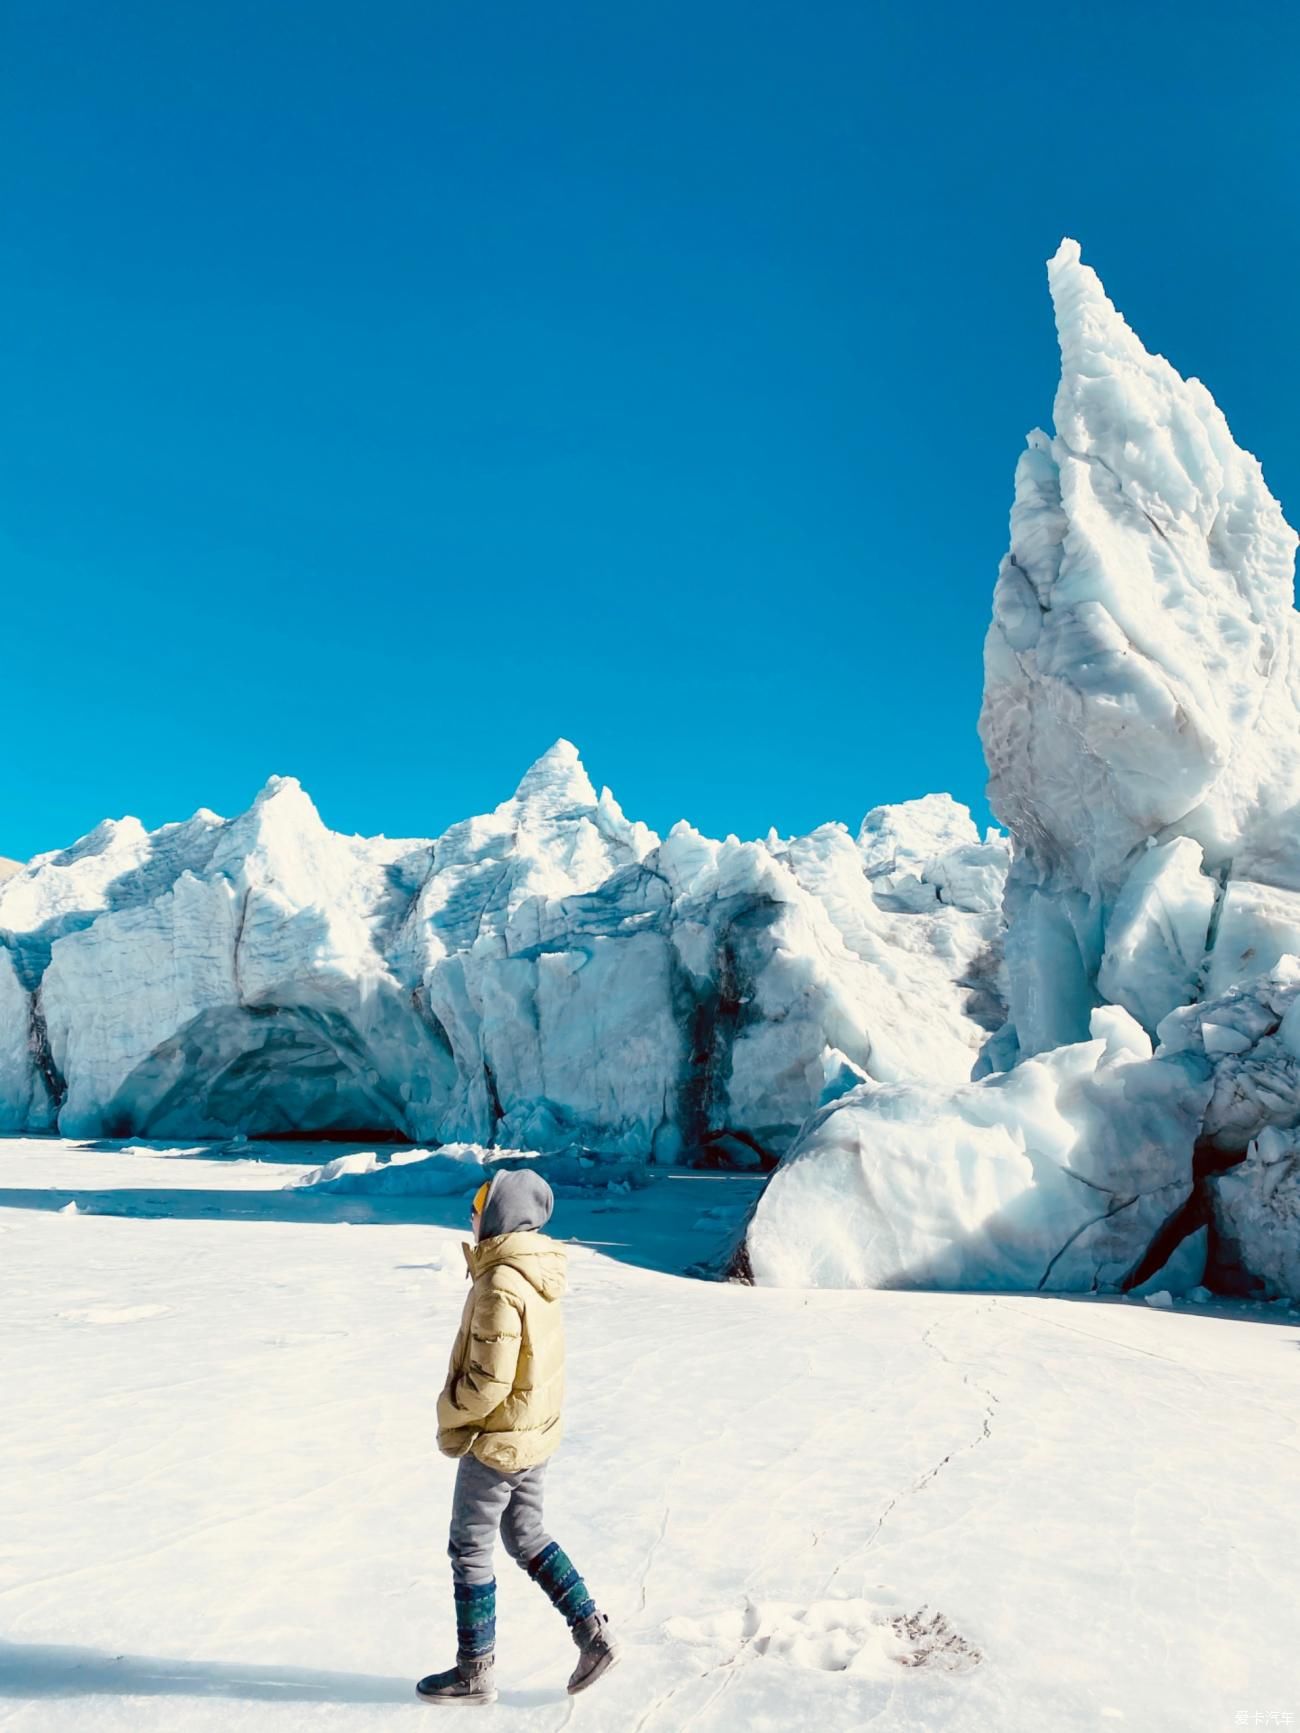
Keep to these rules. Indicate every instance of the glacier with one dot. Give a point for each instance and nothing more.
(1141, 726)
(1064, 1055)
(550, 976)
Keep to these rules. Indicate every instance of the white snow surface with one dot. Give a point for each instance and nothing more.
(222, 1507)
(548, 976)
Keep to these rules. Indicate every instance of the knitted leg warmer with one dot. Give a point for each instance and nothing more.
(557, 1574)
(476, 1619)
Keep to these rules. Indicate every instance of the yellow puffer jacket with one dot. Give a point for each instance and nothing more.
(505, 1381)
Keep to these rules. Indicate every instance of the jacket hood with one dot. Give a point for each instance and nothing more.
(538, 1259)
(518, 1201)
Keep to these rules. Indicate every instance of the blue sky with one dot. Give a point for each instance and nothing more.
(389, 390)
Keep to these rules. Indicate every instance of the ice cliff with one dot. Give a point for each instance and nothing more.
(547, 976)
(1140, 696)
(1141, 724)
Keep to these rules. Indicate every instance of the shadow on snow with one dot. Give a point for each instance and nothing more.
(681, 1223)
(35, 1670)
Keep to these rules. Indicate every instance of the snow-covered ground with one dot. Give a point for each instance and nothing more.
(221, 1505)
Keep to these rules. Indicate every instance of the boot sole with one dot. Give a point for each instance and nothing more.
(611, 1658)
(477, 1702)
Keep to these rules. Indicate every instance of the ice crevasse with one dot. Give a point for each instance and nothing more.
(1141, 723)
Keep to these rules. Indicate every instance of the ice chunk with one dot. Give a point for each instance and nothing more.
(1156, 935)
(1053, 951)
(1182, 1272)
(461, 1167)
(1258, 926)
(920, 852)
(1257, 1214)
(902, 837)
(1122, 1033)
(1238, 1039)
(408, 1172)
(1288, 1031)
(1055, 1175)
(972, 877)
(1221, 1038)
(839, 1075)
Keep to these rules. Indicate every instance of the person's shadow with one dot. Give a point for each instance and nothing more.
(29, 1670)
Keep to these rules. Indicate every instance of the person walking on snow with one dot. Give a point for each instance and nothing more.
(499, 1413)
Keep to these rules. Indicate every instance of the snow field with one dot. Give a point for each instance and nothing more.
(221, 1505)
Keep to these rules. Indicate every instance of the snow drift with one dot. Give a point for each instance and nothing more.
(1141, 723)
(549, 976)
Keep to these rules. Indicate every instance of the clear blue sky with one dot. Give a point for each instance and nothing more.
(389, 389)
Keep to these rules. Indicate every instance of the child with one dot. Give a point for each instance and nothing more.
(499, 1412)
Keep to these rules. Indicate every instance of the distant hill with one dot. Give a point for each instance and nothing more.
(9, 867)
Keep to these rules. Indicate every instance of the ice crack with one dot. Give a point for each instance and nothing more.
(923, 1480)
(1122, 1204)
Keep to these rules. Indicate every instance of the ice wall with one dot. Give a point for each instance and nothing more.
(547, 975)
(1055, 1176)
(1140, 685)
(1141, 723)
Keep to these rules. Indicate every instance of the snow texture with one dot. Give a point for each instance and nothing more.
(548, 976)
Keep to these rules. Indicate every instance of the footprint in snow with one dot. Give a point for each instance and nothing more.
(833, 1636)
(929, 1641)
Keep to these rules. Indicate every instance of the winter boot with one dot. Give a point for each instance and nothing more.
(558, 1575)
(468, 1683)
(598, 1651)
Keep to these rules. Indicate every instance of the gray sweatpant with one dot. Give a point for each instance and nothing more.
(485, 1501)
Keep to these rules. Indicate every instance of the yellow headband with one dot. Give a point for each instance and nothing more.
(480, 1197)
